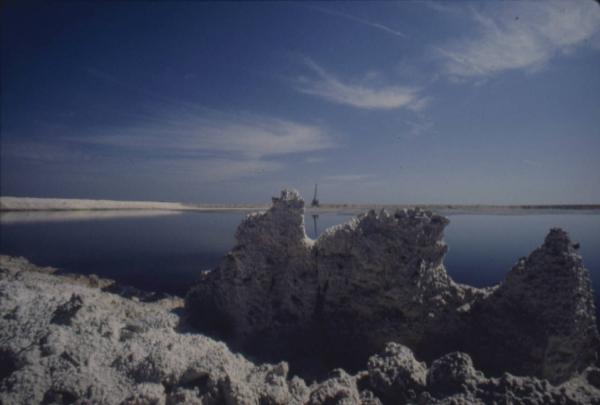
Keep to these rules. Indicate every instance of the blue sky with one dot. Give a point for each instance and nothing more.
(408, 102)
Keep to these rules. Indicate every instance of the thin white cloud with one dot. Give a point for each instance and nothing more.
(187, 134)
(524, 35)
(46, 152)
(418, 128)
(207, 145)
(372, 24)
(358, 94)
(420, 104)
(186, 129)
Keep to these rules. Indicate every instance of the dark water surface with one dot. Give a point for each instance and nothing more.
(167, 252)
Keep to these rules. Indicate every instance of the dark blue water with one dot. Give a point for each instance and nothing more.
(156, 253)
(167, 252)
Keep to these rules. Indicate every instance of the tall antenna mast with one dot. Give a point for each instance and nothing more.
(315, 201)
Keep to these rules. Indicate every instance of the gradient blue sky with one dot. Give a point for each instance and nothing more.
(410, 102)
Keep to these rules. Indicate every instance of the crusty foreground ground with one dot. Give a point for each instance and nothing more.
(64, 340)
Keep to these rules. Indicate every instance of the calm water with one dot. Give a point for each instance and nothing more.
(167, 252)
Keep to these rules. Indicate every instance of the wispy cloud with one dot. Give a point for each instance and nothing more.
(418, 128)
(521, 36)
(212, 146)
(185, 129)
(361, 94)
(362, 21)
(183, 133)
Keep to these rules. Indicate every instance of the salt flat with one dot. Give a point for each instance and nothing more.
(70, 204)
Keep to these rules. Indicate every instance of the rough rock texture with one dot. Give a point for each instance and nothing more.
(396, 374)
(380, 278)
(267, 263)
(541, 319)
(450, 372)
(452, 379)
(106, 349)
(62, 341)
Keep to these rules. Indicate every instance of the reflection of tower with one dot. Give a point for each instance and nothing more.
(315, 218)
(315, 201)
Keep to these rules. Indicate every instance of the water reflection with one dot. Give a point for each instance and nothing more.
(16, 217)
(315, 218)
(151, 252)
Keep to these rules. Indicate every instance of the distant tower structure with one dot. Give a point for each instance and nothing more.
(315, 200)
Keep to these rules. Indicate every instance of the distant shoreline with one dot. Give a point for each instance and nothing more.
(27, 204)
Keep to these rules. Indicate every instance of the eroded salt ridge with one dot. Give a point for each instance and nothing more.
(63, 340)
(381, 278)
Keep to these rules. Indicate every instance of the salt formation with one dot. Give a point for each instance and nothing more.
(380, 278)
(64, 340)
(541, 319)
